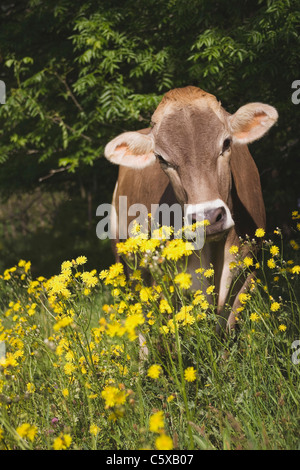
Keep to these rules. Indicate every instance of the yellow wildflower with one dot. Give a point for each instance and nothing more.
(244, 297)
(274, 250)
(27, 431)
(260, 233)
(184, 280)
(154, 371)
(163, 442)
(190, 374)
(89, 278)
(294, 245)
(81, 260)
(271, 263)
(176, 249)
(113, 396)
(69, 368)
(62, 442)
(164, 306)
(248, 261)
(208, 273)
(233, 250)
(131, 322)
(296, 269)
(30, 387)
(254, 317)
(156, 422)
(184, 315)
(94, 429)
(210, 290)
(282, 327)
(275, 306)
(145, 294)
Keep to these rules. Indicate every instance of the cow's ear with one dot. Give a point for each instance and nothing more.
(132, 149)
(251, 122)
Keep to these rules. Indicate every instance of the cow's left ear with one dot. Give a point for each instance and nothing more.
(251, 122)
(131, 149)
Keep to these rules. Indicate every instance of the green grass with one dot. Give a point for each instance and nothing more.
(72, 376)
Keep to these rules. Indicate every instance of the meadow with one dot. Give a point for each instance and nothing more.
(71, 371)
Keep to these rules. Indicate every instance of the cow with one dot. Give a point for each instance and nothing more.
(196, 154)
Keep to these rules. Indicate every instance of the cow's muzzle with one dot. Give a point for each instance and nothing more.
(216, 213)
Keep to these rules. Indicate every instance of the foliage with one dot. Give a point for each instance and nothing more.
(75, 373)
(78, 74)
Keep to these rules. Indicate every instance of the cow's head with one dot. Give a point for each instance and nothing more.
(192, 137)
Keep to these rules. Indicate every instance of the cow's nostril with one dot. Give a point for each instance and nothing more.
(216, 216)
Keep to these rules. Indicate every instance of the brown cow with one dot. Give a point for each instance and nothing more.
(196, 154)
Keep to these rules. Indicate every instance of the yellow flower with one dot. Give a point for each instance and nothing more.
(184, 280)
(233, 249)
(296, 269)
(113, 396)
(154, 371)
(210, 290)
(260, 232)
(145, 294)
(30, 387)
(190, 374)
(208, 273)
(94, 429)
(63, 322)
(176, 249)
(243, 298)
(156, 422)
(66, 267)
(81, 260)
(163, 442)
(248, 261)
(164, 306)
(163, 232)
(184, 316)
(275, 306)
(27, 266)
(271, 263)
(274, 250)
(62, 442)
(27, 430)
(131, 322)
(89, 278)
(282, 327)
(69, 368)
(170, 398)
(164, 330)
(65, 392)
(254, 317)
(294, 245)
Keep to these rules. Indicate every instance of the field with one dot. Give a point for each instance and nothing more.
(90, 360)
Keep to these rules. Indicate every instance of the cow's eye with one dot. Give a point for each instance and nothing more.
(226, 145)
(162, 161)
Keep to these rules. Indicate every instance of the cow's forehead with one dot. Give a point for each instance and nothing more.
(180, 98)
(190, 131)
(189, 134)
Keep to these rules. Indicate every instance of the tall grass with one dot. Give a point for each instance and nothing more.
(72, 375)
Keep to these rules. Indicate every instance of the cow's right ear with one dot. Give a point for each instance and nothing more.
(132, 149)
